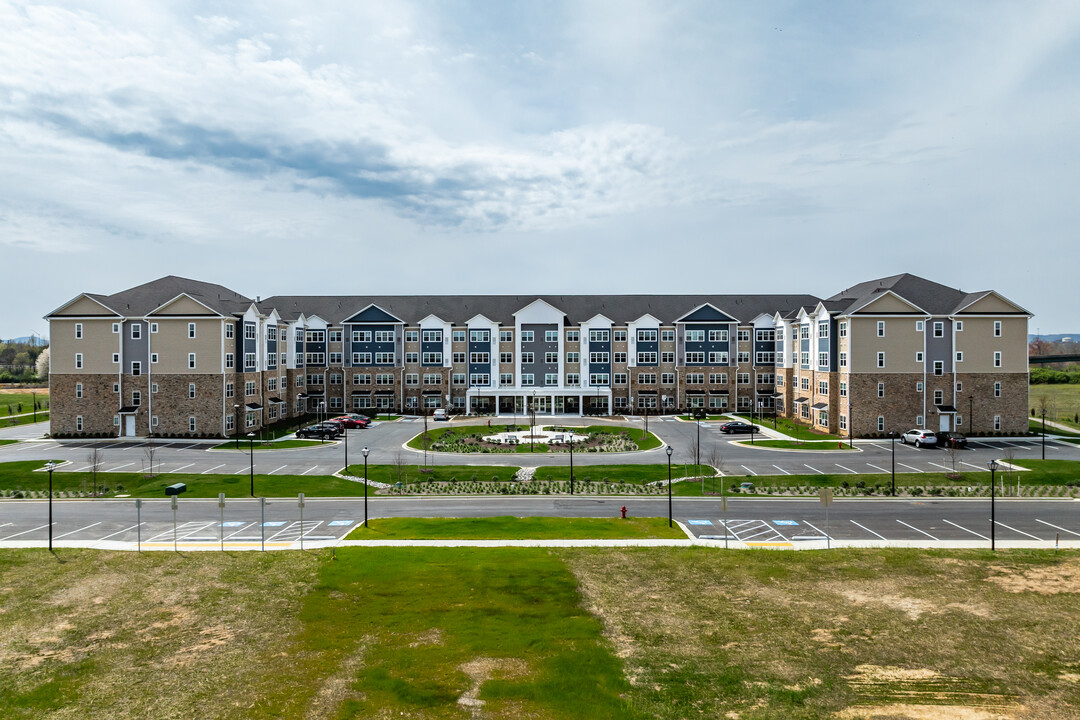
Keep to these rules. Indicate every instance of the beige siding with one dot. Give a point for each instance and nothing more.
(85, 306)
(888, 304)
(978, 344)
(182, 306)
(97, 346)
(899, 345)
(172, 346)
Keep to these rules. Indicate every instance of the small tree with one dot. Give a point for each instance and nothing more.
(95, 458)
(148, 452)
(716, 459)
(41, 365)
(400, 465)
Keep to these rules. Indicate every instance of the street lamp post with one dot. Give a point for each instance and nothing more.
(321, 417)
(892, 436)
(50, 466)
(1044, 434)
(697, 444)
(236, 430)
(251, 466)
(571, 463)
(669, 451)
(851, 426)
(365, 451)
(971, 415)
(993, 465)
(33, 396)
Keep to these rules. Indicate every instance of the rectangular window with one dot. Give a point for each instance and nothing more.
(718, 401)
(482, 358)
(765, 358)
(412, 336)
(646, 378)
(483, 335)
(997, 422)
(432, 336)
(336, 378)
(432, 379)
(526, 378)
(229, 359)
(358, 379)
(191, 330)
(249, 388)
(598, 336)
(843, 422)
(620, 379)
(618, 335)
(881, 328)
(573, 379)
(619, 357)
(573, 335)
(649, 358)
(939, 367)
(458, 358)
(458, 336)
(249, 333)
(483, 379)
(136, 331)
(116, 328)
(919, 420)
(744, 336)
(191, 361)
(843, 329)
(843, 389)
(823, 359)
(299, 381)
(804, 383)
(997, 359)
(384, 358)
(695, 378)
(718, 358)
(412, 378)
(384, 379)
(939, 397)
(881, 423)
(765, 335)
(228, 390)
(843, 359)
(79, 426)
(918, 326)
(115, 358)
(959, 357)
(997, 389)
(551, 357)
(718, 336)
(667, 378)
(551, 336)
(598, 379)
(823, 387)
(228, 422)
(573, 357)
(997, 328)
(939, 329)
(361, 336)
(918, 357)
(718, 378)
(692, 358)
(823, 329)
(361, 358)
(667, 357)
(412, 357)
(228, 330)
(191, 390)
(696, 335)
(919, 387)
(804, 359)
(881, 390)
(335, 336)
(646, 336)
(779, 381)
(551, 378)
(667, 336)
(742, 378)
(506, 336)
(506, 357)
(881, 359)
(136, 368)
(384, 336)
(432, 358)
(136, 398)
(78, 331)
(598, 357)
(506, 379)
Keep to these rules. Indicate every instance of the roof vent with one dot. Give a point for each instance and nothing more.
(258, 299)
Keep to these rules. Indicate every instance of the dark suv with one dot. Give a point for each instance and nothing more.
(323, 431)
(951, 440)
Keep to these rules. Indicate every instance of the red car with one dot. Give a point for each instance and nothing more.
(352, 421)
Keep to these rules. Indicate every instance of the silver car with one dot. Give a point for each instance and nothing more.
(919, 438)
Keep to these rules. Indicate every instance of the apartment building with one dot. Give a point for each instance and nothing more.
(179, 357)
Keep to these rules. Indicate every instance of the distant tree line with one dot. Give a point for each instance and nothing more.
(19, 362)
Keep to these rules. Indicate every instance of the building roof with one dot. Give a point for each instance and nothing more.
(143, 299)
(935, 298)
(457, 309)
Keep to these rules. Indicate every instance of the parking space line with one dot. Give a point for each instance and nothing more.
(879, 447)
(752, 473)
(182, 527)
(118, 532)
(848, 469)
(42, 527)
(917, 530)
(274, 471)
(877, 468)
(1057, 526)
(943, 467)
(5, 524)
(998, 522)
(739, 523)
(313, 467)
(977, 467)
(781, 469)
(966, 530)
(205, 472)
(908, 466)
(814, 469)
(118, 467)
(766, 531)
(245, 471)
(239, 531)
(1012, 445)
(57, 537)
(181, 468)
(823, 533)
(870, 531)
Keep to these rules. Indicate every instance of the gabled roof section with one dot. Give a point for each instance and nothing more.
(930, 297)
(886, 302)
(599, 318)
(648, 320)
(373, 314)
(989, 302)
(143, 299)
(480, 320)
(706, 312)
(185, 305)
(539, 310)
(84, 305)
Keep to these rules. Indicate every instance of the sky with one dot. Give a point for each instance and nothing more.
(549, 147)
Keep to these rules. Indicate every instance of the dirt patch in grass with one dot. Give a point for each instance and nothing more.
(906, 711)
(1061, 577)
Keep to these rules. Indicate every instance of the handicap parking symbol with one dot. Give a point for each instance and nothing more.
(699, 522)
(273, 523)
(232, 523)
(784, 522)
(341, 522)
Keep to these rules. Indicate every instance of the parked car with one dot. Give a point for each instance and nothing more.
(951, 439)
(323, 431)
(352, 421)
(439, 414)
(919, 438)
(738, 427)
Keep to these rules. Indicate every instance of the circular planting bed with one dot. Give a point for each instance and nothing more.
(511, 439)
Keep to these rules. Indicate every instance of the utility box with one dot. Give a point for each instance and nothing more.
(176, 489)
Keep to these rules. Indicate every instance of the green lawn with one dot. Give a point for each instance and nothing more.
(642, 440)
(1062, 403)
(8, 442)
(515, 528)
(13, 400)
(268, 445)
(1036, 426)
(438, 473)
(509, 633)
(793, 445)
(42, 416)
(790, 427)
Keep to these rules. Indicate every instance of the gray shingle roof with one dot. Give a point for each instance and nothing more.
(145, 298)
(458, 309)
(935, 298)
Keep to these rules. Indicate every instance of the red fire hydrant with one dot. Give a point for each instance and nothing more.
(624, 511)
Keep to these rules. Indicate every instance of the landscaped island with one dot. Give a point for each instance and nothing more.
(523, 439)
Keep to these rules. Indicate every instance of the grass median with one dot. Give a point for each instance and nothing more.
(268, 445)
(516, 528)
(826, 446)
(589, 634)
(634, 474)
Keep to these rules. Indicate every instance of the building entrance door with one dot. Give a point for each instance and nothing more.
(129, 426)
(540, 404)
(943, 423)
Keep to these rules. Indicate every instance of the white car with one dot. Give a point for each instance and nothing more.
(439, 414)
(919, 438)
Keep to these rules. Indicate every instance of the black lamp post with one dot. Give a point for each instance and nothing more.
(50, 466)
(33, 395)
(971, 414)
(697, 445)
(669, 451)
(236, 430)
(993, 465)
(851, 425)
(365, 451)
(892, 436)
(571, 463)
(251, 466)
(1044, 434)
